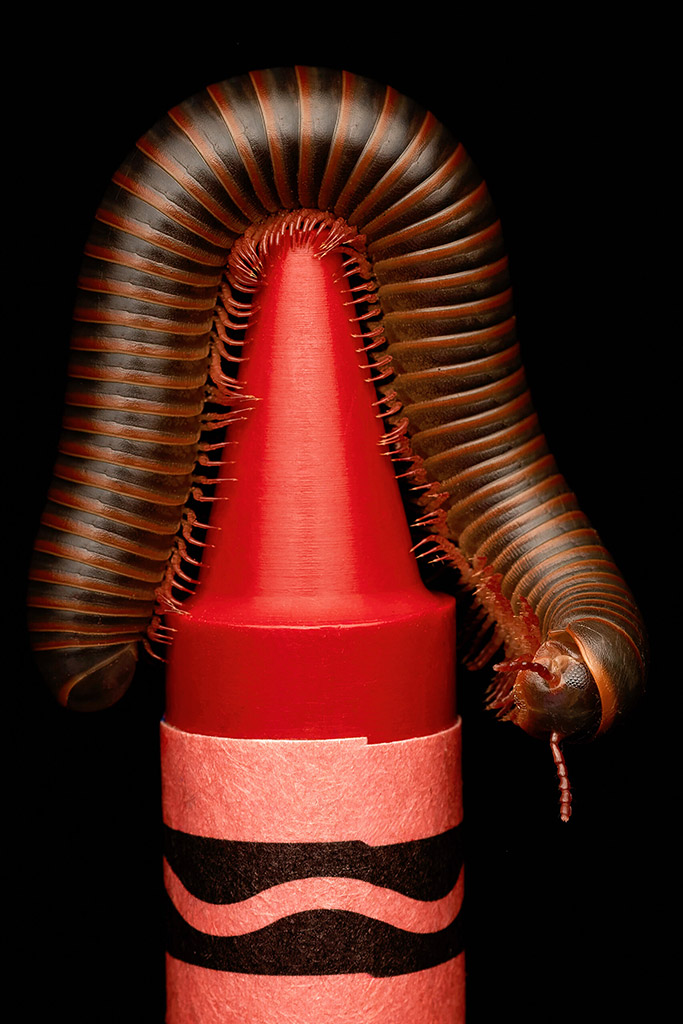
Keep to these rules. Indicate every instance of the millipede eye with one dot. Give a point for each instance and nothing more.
(576, 676)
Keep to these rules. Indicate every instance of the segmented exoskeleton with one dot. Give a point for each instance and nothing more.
(148, 330)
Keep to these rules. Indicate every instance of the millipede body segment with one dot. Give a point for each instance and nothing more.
(285, 154)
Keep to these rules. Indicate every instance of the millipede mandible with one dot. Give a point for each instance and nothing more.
(155, 327)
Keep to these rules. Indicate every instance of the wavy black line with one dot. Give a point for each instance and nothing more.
(316, 942)
(226, 871)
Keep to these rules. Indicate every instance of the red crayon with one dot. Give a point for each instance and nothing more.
(312, 674)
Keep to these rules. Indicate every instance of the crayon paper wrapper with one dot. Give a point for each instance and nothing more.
(313, 880)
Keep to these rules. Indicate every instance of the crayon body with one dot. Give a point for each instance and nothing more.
(311, 747)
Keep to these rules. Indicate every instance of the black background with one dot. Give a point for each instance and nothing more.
(563, 919)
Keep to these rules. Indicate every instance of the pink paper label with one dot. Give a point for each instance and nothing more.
(313, 880)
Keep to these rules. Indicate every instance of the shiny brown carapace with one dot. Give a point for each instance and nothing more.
(160, 312)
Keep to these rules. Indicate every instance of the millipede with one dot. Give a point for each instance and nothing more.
(163, 297)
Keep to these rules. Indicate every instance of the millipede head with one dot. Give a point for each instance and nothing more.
(554, 693)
